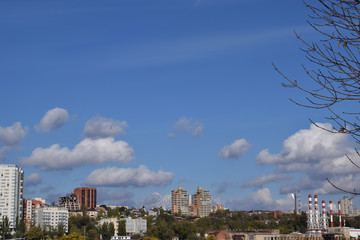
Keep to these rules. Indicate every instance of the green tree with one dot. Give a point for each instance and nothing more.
(61, 229)
(20, 228)
(122, 228)
(35, 233)
(5, 231)
(107, 230)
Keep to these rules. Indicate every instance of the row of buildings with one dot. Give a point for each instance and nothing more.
(36, 212)
(194, 205)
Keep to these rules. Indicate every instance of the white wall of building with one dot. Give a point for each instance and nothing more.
(51, 217)
(11, 192)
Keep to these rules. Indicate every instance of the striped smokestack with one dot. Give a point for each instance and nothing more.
(323, 215)
(339, 214)
(331, 215)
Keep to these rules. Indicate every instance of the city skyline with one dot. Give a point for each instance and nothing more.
(136, 98)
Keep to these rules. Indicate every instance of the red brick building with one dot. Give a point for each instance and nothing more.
(29, 208)
(86, 197)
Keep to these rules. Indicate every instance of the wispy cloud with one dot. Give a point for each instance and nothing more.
(32, 180)
(266, 179)
(197, 47)
(234, 150)
(194, 126)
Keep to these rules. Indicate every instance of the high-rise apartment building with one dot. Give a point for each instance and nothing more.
(180, 201)
(86, 197)
(196, 205)
(29, 210)
(11, 193)
(200, 203)
(347, 208)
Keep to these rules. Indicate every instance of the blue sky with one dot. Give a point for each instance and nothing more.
(139, 97)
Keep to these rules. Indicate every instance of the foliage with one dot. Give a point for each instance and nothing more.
(20, 228)
(5, 232)
(122, 228)
(35, 232)
(80, 223)
(168, 226)
(107, 230)
(73, 236)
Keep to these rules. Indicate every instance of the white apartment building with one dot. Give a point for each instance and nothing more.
(51, 217)
(11, 192)
(134, 226)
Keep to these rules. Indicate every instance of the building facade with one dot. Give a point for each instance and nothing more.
(180, 201)
(347, 208)
(51, 217)
(29, 211)
(200, 203)
(135, 226)
(70, 202)
(86, 197)
(11, 193)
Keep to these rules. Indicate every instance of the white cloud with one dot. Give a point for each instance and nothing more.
(54, 118)
(33, 179)
(194, 126)
(94, 151)
(265, 179)
(137, 177)
(156, 200)
(308, 145)
(262, 200)
(315, 154)
(11, 137)
(100, 127)
(234, 150)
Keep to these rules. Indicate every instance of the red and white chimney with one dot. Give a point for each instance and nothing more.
(331, 215)
(339, 214)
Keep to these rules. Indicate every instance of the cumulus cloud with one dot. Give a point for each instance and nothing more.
(32, 180)
(10, 138)
(12, 135)
(88, 151)
(100, 127)
(123, 177)
(194, 126)
(54, 118)
(265, 179)
(317, 155)
(262, 200)
(234, 150)
(156, 200)
(308, 145)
